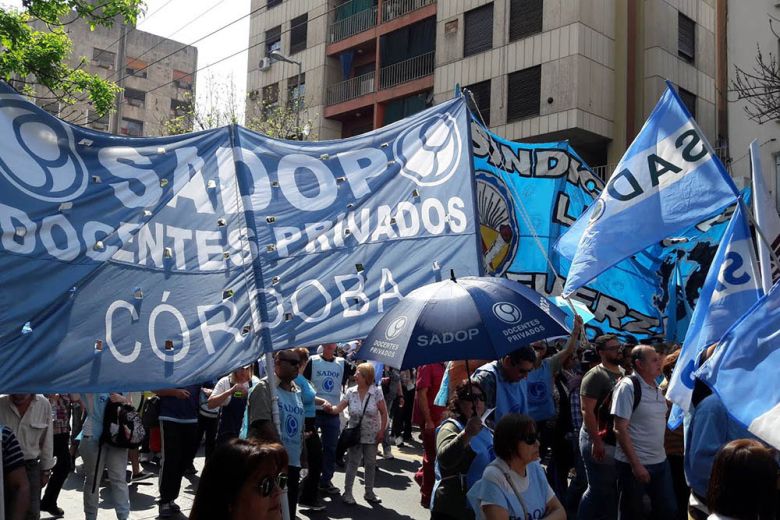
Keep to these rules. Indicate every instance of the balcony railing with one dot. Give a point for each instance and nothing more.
(392, 9)
(407, 70)
(353, 24)
(351, 89)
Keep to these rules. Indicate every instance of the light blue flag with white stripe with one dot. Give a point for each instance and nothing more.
(732, 286)
(668, 180)
(743, 370)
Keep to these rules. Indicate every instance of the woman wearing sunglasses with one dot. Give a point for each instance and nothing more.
(230, 396)
(243, 480)
(464, 447)
(514, 485)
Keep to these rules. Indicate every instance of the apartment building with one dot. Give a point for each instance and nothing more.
(365, 63)
(589, 71)
(158, 76)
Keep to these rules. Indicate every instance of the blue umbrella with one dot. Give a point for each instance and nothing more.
(471, 318)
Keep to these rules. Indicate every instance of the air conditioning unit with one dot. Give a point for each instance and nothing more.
(265, 64)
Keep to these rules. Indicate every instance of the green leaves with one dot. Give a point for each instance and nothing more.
(40, 56)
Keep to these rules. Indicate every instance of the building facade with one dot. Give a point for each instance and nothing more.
(158, 76)
(589, 71)
(749, 29)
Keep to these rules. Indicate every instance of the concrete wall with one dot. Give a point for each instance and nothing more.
(746, 29)
(141, 45)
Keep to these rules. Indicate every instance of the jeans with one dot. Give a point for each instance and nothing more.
(33, 468)
(330, 427)
(659, 489)
(179, 445)
(368, 453)
(600, 498)
(115, 461)
(578, 484)
(60, 472)
(309, 484)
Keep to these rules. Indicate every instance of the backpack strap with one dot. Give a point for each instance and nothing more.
(637, 391)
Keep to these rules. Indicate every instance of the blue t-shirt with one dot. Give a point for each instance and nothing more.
(494, 489)
(308, 393)
(96, 410)
(181, 410)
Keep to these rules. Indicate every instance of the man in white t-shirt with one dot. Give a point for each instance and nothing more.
(640, 456)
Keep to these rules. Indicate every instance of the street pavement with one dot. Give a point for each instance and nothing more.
(394, 485)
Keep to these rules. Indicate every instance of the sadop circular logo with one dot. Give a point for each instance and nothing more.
(291, 425)
(328, 385)
(598, 211)
(507, 312)
(537, 390)
(429, 153)
(37, 154)
(396, 327)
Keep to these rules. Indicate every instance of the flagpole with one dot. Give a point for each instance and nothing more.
(761, 234)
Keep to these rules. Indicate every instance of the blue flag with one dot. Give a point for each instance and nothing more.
(743, 370)
(731, 288)
(668, 180)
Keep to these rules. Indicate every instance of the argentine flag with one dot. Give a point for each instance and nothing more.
(668, 180)
(743, 371)
(732, 286)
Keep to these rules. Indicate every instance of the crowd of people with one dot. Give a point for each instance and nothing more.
(554, 430)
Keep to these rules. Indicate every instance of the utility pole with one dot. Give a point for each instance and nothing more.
(120, 71)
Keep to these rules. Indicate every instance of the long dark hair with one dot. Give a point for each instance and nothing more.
(462, 393)
(226, 471)
(743, 481)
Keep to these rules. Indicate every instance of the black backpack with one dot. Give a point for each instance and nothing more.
(122, 426)
(604, 411)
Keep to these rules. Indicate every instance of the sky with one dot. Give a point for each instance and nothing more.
(188, 20)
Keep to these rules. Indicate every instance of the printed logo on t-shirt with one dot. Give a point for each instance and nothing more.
(291, 425)
(537, 390)
(328, 384)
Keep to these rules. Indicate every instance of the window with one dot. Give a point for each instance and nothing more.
(689, 100)
(298, 33)
(136, 68)
(272, 3)
(270, 99)
(478, 36)
(103, 58)
(481, 92)
(296, 92)
(180, 108)
(524, 90)
(135, 98)
(273, 40)
(525, 18)
(686, 38)
(182, 80)
(131, 127)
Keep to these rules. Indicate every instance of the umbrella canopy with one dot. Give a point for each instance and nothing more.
(471, 318)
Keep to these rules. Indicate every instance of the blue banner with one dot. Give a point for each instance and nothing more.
(668, 180)
(528, 195)
(131, 264)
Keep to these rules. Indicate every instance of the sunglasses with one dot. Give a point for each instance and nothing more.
(293, 362)
(530, 438)
(270, 482)
(473, 397)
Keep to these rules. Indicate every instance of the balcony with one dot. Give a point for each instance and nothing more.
(350, 89)
(361, 20)
(392, 9)
(407, 70)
